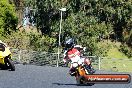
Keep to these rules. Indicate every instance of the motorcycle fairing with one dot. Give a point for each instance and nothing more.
(81, 71)
(4, 52)
(2, 61)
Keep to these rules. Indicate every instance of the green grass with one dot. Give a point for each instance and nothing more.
(115, 53)
(115, 60)
(120, 65)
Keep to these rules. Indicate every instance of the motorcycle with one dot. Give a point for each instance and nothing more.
(80, 72)
(6, 61)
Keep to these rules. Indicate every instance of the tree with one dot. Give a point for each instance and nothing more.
(8, 19)
(85, 20)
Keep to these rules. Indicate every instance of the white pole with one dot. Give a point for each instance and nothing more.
(19, 56)
(59, 41)
(60, 28)
(99, 63)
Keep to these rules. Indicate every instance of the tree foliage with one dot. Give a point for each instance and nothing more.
(88, 21)
(85, 20)
(8, 19)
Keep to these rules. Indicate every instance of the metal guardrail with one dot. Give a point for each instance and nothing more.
(35, 57)
(43, 58)
(51, 59)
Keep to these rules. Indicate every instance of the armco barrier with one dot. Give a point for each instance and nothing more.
(44, 58)
(51, 59)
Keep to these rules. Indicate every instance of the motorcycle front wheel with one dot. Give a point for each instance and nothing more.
(10, 64)
(80, 80)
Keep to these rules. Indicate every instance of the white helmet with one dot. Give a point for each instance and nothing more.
(80, 47)
(1, 41)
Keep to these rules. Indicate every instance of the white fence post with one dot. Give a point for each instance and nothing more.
(57, 64)
(99, 63)
(19, 56)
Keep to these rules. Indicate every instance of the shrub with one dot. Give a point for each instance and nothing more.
(126, 50)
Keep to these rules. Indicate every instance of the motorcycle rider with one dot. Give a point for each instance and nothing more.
(73, 53)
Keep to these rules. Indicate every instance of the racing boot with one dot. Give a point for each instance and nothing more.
(89, 69)
(72, 71)
(92, 69)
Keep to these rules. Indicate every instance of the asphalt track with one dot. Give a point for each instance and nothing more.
(30, 76)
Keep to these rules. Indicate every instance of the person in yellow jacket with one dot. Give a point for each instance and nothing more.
(6, 57)
(4, 49)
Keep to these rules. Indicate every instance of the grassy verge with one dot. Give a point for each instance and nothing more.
(115, 53)
(120, 65)
(116, 60)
